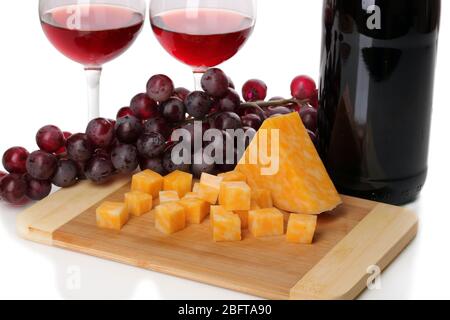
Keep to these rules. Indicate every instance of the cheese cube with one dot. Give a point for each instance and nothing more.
(301, 228)
(196, 187)
(244, 215)
(235, 196)
(209, 188)
(217, 210)
(178, 181)
(263, 198)
(191, 195)
(233, 176)
(196, 210)
(170, 217)
(266, 222)
(138, 202)
(112, 215)
(226, 227)
(168, 196)
(147, 181)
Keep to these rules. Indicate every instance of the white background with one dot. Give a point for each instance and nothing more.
(39, 86)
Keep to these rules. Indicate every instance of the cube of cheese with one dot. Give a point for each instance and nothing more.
(168, 196)
(217, 210)
(266, 222)
(196, 210)
(178, 181)
(209, 188)
(263, 198)
(295, 174)
(191, 195)
(112, 215)
(196, 187)
(226, 227)
(233, 176)
(138, 203)
(235, 196)
(244, 215)
(170, 217)
(301, 228)
(147, 181)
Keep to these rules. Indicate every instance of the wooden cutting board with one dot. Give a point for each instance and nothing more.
(351, 239)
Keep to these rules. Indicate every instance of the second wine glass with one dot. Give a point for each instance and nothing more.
(202, 33)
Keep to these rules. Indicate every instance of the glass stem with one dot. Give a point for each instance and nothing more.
(93, 91)
(198, 80)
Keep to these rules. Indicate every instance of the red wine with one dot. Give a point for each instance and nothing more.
(92, 34)
(202, 38)
(376, 95)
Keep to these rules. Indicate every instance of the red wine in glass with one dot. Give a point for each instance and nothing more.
(101, 33)
(202, 37)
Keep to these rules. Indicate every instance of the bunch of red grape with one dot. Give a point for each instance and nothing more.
(141, 134)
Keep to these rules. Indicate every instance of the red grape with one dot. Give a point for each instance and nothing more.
(174, 110)
(128, 129)
(2, 174)
(154, 164)
(303, 87)
(207, 165)
(50, 139)
(13, 189)
(160, 88)
(181, 93)
(63, 150)
(198, 104)
(15, 159)
(231, 83)
(143, 107)
(125, 158)
(157, 125)
(100, 132)
(252, 121)
(151, 145)
(215, 82)
(99, 169)
(66, 173)
(37, 189)
(228, 120)
(230, 101)
(313, 137)
(309, 118)
(314, 100)
(254, 90)
(123, 112)
(41, 165)
(277, 111)
(170, 166)
(79, 147)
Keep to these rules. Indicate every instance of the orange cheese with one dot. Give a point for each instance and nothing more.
(266, 223)
(233, 176)
(217, 210)
(112, 215)
(226, 227)
(196, 210)
(168, 196)
(170, 217)
(263, 198)
(138, 202)
(191, 195)
(209, 188)
(301, 228)
(147, 181)
(178, 181)
(244, 215)
(235, 196)
(300, 182)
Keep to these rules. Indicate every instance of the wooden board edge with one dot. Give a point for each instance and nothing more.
(38, 222)
(383, 235)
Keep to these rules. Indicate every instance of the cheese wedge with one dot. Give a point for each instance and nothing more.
(300, 182)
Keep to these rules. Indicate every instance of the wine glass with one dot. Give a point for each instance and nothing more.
(92, 32)
(202, 33)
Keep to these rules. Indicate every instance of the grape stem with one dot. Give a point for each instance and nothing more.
(274, 103)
